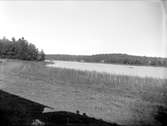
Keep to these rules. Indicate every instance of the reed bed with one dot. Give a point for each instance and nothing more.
(149, 89)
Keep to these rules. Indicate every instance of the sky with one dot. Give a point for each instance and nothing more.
(87, 27)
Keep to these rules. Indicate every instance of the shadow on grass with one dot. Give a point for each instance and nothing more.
(19, 111)
(63, 118)
(161, 116)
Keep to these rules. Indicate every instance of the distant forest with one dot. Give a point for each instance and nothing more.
(112, 58)
(20, 49)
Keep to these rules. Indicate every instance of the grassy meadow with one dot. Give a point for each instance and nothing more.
(121, 99)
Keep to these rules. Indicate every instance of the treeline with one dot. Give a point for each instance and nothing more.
(113, 58)
(20, 49)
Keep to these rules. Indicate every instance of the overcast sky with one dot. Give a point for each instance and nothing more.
(86, 27)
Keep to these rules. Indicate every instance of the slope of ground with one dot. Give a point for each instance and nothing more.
(53, 87)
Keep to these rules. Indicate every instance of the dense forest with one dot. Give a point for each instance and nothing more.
(112, 58)
(20, 49)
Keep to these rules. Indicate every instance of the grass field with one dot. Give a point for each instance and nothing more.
(121, 99)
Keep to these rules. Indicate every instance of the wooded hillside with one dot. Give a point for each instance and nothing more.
(20, 49)
(113, 58)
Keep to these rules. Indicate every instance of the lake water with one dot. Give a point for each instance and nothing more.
(141, 71)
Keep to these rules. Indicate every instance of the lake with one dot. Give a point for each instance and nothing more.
(131, 70)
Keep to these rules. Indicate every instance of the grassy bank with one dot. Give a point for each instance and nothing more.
(121, 99)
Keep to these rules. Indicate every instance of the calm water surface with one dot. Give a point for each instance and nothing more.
(141, 71)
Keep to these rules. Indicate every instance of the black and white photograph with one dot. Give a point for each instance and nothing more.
(83, 62)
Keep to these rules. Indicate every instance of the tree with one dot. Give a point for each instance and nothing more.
(41, 56)
(20, 49)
